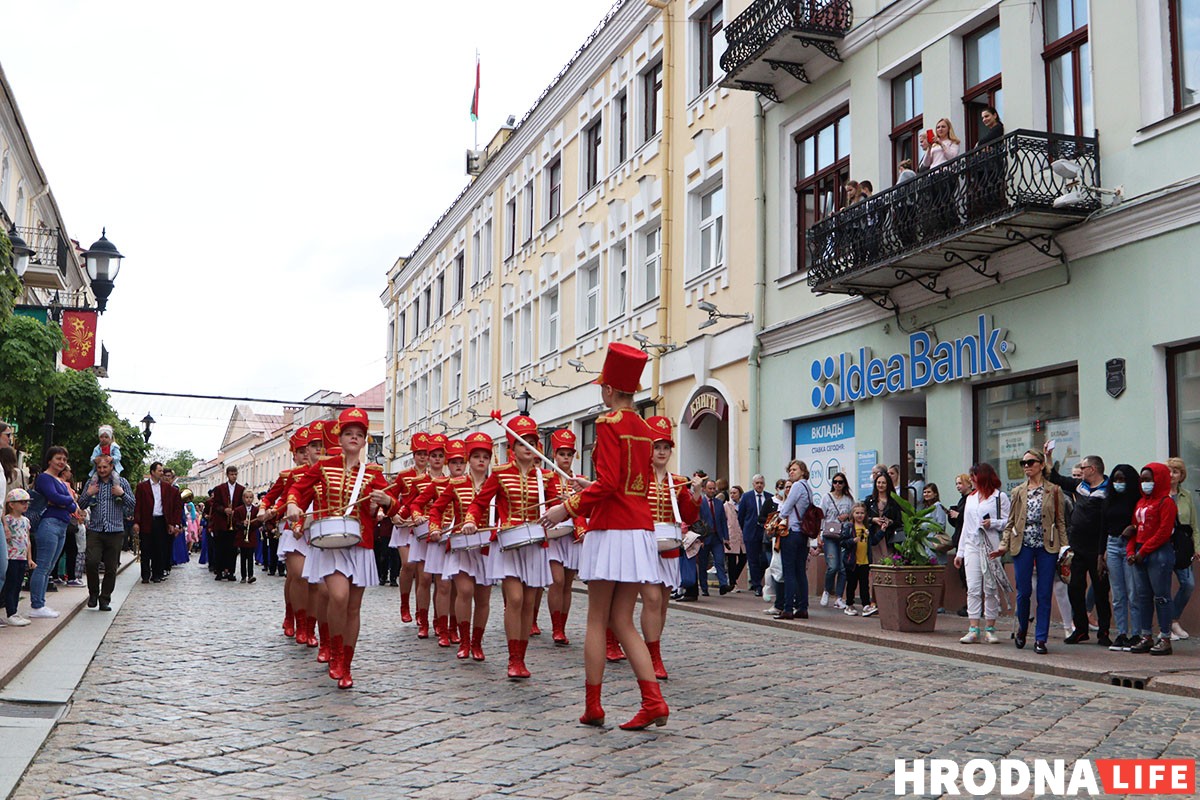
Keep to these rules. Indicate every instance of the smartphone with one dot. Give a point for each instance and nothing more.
(929, 135)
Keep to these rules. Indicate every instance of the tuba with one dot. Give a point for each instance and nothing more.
(186, 495)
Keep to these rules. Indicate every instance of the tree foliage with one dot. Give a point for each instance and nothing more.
(10, 284)
(181, 462)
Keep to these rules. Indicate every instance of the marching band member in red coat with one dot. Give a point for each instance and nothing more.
(292, 545)
(521, 489)
(619, 551)
(322, 437)
(564, 550)
(418, 547)
(402, 535)
(466, 567)
(676, 513)
(435, 545)
(246, 524)
(344, 485)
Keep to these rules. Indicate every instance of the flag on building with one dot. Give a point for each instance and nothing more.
(475, 97)
(79, 329)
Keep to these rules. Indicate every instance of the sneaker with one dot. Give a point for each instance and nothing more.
(824, 598)
(990, 636)
(1076, 638)
(850, 611)
(75, 582)
(839, 603)
(1142, 645)
(45, 612)
(1162, 647)
(1103, 640)
(771, 610)
(870, 610)
(17, 621)
(971, 638)
(1177, 632)
(1119, 643)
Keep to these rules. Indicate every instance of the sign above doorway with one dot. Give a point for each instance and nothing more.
(707, 402)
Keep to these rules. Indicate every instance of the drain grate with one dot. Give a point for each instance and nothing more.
(1130, 681)
(31, 710)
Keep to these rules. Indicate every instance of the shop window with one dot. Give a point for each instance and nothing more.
(981, 65)
(1183, 405)
(1021, 414)
(1068, 67)
(1184, 16)
(823, 169)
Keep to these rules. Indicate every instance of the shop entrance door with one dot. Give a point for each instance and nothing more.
(912, 458)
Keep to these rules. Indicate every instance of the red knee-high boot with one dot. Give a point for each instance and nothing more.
(422, 623)
(477, 644)
(660, 670)
(405, 614)
(346, 681)
(442, 628)
(323, 645)
(464, 640)
(654, 709)
(593, 713)
(289, 621)
(301, 626)
(521, 662)
(613, 651)
(453, 630)
(311, 633)
(514, 659)
(335, 658)
(558, 621)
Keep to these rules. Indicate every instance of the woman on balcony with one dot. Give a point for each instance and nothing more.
(941, 145)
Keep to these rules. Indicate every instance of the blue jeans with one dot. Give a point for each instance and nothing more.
(1024, 563)
(50, 539)
(835, 568)
(1153, 580)
(793, 551)
(1126, 614)
(1187, 582)
(4, 568)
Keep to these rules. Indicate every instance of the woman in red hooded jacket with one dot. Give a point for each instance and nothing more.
(1153, 558)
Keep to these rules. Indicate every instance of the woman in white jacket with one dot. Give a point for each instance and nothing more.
(984, 515)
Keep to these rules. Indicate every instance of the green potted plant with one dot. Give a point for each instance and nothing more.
(908, 584)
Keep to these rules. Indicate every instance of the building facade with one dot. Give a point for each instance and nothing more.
(620, 208)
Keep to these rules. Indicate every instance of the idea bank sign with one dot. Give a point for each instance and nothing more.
(1045, 777)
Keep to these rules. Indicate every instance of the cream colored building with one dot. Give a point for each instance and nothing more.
(620, 202)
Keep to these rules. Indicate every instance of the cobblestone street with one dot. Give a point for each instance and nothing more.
(196, 693)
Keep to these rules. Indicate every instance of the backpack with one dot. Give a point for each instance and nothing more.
(1185, 546)
(810, 521)
(37, 506)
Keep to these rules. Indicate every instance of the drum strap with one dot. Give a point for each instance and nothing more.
(541, 492)
(358, 482)
(674, 498)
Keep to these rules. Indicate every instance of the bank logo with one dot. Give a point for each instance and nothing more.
(845, 379)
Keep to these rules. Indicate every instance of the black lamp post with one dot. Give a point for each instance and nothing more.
(21, 252)
(524, 402)
(147, 421)
(103, 264)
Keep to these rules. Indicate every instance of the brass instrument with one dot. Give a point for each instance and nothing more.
(186, 495)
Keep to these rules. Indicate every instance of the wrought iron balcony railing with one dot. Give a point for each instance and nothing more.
(978, 203)
(49, 247)
(754, 34)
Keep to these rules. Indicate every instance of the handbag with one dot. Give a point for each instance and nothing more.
(1185, 546)
(692, 542)
(832, 530)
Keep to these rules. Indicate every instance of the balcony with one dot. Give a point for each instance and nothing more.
(769, 44)
(48, 264)
(959, 214)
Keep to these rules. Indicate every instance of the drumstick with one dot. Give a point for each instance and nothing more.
(496, 415)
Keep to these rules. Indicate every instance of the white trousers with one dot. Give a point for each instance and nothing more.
(983, 598)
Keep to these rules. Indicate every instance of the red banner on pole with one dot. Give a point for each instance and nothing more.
(79, 327)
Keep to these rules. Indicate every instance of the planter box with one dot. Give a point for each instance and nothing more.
(908, 597)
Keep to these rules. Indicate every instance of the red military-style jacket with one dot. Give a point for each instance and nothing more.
(663, 511)
(418, 505)
(516, 495)
(277, 494)
(401, 483)
(619, 497)
(328, 485)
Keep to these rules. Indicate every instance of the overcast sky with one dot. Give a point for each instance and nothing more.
(261, 164)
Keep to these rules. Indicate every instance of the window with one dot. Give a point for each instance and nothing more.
(402, 330)
(441, 295)
(709, 47)
(823, 160)
(435, 388)
(652, 85)
(981, 63)
(1068, 67)
(473, 371)
(592, 154)
(456, 374)
(1015, 415)
(589, 297)
(1183, 403)
(476, 258)
(507, 342)
(554, 189)
(525, 333)
(1184, 18)
(416, 309)
(712, 230)
(486, 243)
(485, 356)
(427, 307)
(587, 444)
(550, 322)
(621, 130)
(618, 280)
(907, 119)
(527, 199)
(460, 276)
(510, 228)
(647, 285)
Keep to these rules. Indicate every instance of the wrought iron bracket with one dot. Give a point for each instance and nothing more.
(1044, 243)
(882, 299)
(825, 47)
(977, 264)
(926, 280)
(791, 68)
(765, 89)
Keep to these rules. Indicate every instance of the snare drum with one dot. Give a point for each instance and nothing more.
(668, 535)
(333, 533)
(521, 535)
(469, 541)
(421, 531)
(560, 531)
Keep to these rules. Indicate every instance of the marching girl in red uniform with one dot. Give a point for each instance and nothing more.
(343, 485)
(671, 502)
(619, 551)
(436, 549)
(521, 489)
(292, 545)
(418, 547)
(322, 441)
(564, 550)
(402, 535)
(467, 568)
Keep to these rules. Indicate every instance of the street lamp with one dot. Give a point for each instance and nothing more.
(103, 264)
(147, 421)
(20, 252)
(524, 402)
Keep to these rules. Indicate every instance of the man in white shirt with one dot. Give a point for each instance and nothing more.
(225, 499)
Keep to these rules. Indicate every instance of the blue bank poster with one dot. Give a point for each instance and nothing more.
(826, 445)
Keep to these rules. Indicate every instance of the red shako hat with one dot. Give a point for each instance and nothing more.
(351, 416)
(420, 442)
(456, 448)
(562, 438)
(523, 425)
(437, 441)
(662, 429)
(622, 368)
(478, 441)
(316, 430)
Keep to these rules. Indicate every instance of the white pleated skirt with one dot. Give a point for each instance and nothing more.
(668, 572)
(626, 556)
(468, 562)
(435, 557)
(530, 563)
(566, 551)
(288, 543)
(401, 536)
(356, 563)
(416, 549)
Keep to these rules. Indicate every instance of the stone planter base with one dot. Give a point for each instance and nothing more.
(907, 596)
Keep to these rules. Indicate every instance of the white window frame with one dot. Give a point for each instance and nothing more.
(435, 388)
(706, 228)
(697, 39)
(476, 257)
(456, 374)
(649, 262)
(550, 305)
(525, 334)
(510, 228)
(589, 298)
(618, 279)
(508, 344)
(528, 194)
(553, 213)
(485, 270)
